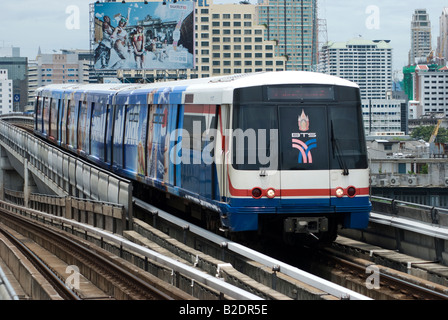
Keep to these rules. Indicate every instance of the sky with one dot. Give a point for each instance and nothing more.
(64, 24)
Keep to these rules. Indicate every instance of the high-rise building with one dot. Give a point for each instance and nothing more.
(67, 67)
(6, 93)
(61, 68)
(420, 37)
(369, 64)
(293, 25)
(442, 40)
(16, 65)
(365, 62)
(430, 84)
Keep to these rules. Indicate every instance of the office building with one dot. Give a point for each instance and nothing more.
(442, 40)
(430, 90)
(420, 37)
(293, 24)
(6, 93)
(17, 72)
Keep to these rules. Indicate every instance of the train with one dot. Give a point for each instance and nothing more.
(279, 154)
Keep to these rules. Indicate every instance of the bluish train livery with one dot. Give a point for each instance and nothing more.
(277, 152)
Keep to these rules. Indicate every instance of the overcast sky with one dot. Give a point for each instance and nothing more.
(64, 24)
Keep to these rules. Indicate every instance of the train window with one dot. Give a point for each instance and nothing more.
(255, 130)
(348, 149)
(303, 137)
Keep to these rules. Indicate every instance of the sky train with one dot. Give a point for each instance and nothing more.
(279, 153)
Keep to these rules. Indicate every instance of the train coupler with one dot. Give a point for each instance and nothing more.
(305, 225)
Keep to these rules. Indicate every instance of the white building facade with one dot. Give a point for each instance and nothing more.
(365, 62)
(6, 94)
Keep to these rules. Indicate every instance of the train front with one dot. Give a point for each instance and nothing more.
(299, 164)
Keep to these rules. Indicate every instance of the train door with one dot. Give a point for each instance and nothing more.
(62, 127)
(39, 113)
(108, 135)
(72, 124)
(53, 132)
(162, 121)
(135, 138)
(304, 156)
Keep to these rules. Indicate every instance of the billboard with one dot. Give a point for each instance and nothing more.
(138, 35)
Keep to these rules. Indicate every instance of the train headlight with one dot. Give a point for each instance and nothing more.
(270, 193)
(257, 193)
(351, 191)
(339, 192)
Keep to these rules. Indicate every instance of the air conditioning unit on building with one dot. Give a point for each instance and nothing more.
(383, 183)
(394, 181)
(412, 181)
(446, 181)
(373, 181)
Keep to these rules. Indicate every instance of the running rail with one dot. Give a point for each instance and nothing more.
(196, 275)
(269, 262)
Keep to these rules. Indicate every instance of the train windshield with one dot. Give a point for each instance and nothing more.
(299, 136)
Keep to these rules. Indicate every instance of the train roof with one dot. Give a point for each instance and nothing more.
(218, 89)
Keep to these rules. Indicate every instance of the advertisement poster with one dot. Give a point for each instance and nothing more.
(151, 36)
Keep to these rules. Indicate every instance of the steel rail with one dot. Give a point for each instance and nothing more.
(419, 227)
(303, 276)
(197, 275)
(64, 291)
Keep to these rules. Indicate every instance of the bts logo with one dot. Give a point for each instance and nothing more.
(304, 148)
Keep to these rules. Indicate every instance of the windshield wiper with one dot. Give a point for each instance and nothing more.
(338, 153)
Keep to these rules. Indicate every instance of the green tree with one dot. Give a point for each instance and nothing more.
(425, 132)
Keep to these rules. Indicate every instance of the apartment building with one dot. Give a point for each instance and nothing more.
(365, 62)
(431, 89)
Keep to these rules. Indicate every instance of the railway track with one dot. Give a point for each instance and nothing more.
(109, 278)
(376, 281)
(337, 266)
